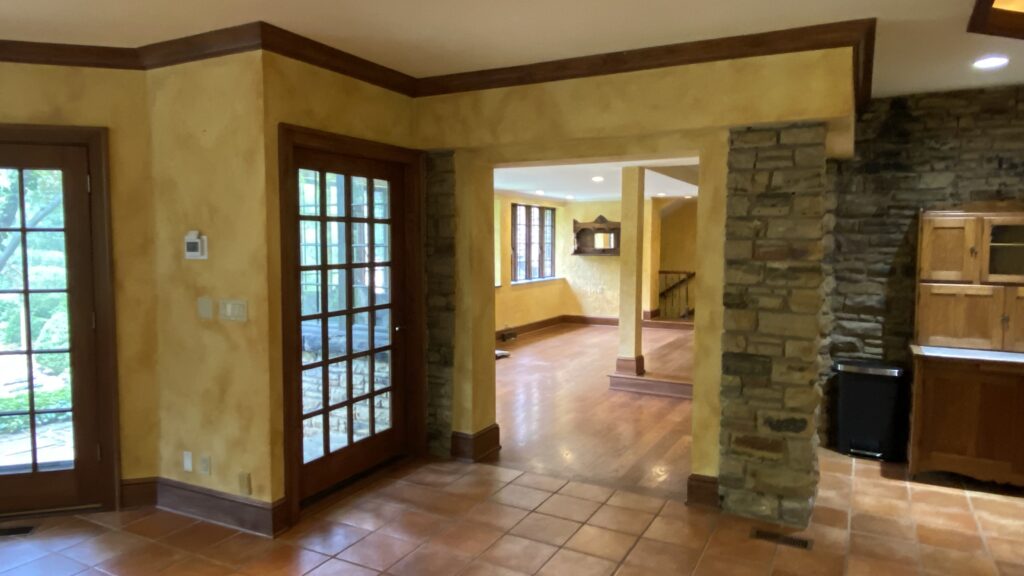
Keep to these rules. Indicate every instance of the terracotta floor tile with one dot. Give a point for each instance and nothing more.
(902, 528)
(865, 566)
(939, 497)
(953, 562)
(415, 526)
(879, 470)
(284, 561)
(868, 504)
(540, 482)
(569, 563)
(520, 497)
(430, 561)
(630, 570)
(148, 558)
(475, 487)
(949, 519)
(883, 548)
(881, 488)
(377, 551)
(366, 514)
(467, 538)
(518, 554)
(601, 542)
(1001, 526)
(952, 539)
(199, 536)
(238, 549)
(660, 556)
(120, 518)
(195, 566)
(677, 509)
(569, 507)
(791, 561)
(587, 491)
(692, 533)
(59, 536)
(1006, 569)
(481, 568)
(719, 566)
(494, 472)
(836, 465)
(335, 567)
(159, 524)
(834, 517)
(94, 551)
(324, 536)
(1009, 551)
(547, 529)
(635, 501)
(496, 515)
(429, 477)
(621, 520)
(824, 538)
(731, 539)
(997, 505)
(49, 565)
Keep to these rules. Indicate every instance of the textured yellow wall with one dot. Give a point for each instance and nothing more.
(594, 280)
(208, 174)
(526, 302)
(679, 235)
(651, 253)
(114, 99)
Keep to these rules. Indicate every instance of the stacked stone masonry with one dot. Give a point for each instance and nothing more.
(778, 281)
(440, 282)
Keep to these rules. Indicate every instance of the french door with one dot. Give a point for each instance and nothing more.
(346, 333)
(49, 430)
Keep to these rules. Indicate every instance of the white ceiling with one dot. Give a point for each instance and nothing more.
(922, 44)
(573, 182)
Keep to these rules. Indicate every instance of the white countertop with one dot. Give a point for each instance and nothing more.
(967, 354)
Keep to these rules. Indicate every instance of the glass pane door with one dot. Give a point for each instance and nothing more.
(36, 408)
(344, 287)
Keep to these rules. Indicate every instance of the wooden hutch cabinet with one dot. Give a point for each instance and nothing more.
(968, 402)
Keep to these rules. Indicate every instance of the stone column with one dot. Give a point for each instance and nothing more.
(631, 359)
(439, 259)
(777, 283)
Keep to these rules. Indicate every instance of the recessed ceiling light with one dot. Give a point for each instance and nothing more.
(570, 197)
(991, 62)
(598, 179)
(540, 192)
(661, 194)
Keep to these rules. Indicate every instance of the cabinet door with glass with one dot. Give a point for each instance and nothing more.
(1003, 250)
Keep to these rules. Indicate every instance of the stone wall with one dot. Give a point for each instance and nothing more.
(913, 153)
(439, 256)
(778, 280)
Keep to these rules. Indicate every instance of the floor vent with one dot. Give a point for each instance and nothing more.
(16, 530)
(802, 543)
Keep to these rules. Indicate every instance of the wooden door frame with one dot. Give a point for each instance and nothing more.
(95, 142)
(290, 138)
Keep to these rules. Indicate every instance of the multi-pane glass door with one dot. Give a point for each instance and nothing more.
(344, 289)
(47, 394)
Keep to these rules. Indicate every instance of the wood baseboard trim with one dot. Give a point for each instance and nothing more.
(589, 320)
(650, 385)
(651, 314)
(630, 365)
(702, 490)
(530, 327)
(247, 514)
(476, 447)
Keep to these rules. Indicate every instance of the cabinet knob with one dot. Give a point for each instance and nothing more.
(974, 252)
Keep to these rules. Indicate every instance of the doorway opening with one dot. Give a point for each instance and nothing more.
(559, 265)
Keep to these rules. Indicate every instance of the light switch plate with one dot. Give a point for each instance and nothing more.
(186, 461)
(204, 307)
(234, 310)
(205, 465)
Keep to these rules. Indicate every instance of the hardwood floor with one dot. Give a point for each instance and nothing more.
(558, 417)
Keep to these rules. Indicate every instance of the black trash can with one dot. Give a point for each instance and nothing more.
(873, 409)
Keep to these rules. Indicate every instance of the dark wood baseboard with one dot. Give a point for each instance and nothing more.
(632, 366)
(250, 515)
(651, 314)
(530, 327)
(476, 447)
(590, 320)
(648, 384)
(702, 491)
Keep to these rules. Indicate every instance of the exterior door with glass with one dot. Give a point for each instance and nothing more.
(343, 267)
(49, 446)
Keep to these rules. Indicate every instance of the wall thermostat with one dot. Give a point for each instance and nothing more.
(195, 246)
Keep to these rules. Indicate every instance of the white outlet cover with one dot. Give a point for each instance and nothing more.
(204, 465)
(204, 307)
(234, 310)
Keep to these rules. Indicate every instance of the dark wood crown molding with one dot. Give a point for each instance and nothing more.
(856, 34)
(986, 19)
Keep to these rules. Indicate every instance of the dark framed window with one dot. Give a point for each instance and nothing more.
(533, 242)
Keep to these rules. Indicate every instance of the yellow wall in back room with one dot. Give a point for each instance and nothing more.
(594, 279)
(115, 99)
